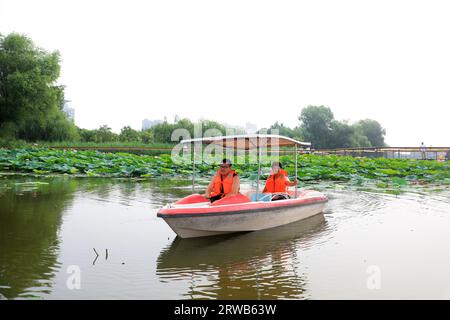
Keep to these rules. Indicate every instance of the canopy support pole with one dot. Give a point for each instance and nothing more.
(295, 155)
(259, 170)
(193, 168)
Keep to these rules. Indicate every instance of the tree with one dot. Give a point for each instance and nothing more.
(341, 135)
(146, 136)
(212, 128)
(30, 101)
(373, 131)
(315, 125)
(104, 134)
(183, 124)
(162, 132)
(358, 139)
(87, 135)
(128, 134)
(61, 129)
(281, 129)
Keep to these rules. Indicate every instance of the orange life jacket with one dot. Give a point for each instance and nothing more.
(223, 185)
(277, 183)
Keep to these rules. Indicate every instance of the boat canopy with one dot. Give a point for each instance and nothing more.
(249, 141)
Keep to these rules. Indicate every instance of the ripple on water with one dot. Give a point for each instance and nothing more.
(275, 263)
(263, 263)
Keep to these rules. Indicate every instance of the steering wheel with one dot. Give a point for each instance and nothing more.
(280, 196)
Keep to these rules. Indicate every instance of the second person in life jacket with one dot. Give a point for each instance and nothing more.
(225, 183)
(278, 180)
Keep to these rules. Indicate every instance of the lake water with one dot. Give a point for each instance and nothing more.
(368, 244)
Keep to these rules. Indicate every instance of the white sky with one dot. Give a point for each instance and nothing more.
(249, 61)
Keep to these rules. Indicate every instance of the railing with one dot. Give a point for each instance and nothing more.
(426, 153)
(384, 149)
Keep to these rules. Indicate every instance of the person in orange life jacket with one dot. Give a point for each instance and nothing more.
(278, 180)
(225, 183)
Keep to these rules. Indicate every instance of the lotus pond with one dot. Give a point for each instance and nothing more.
(383, 235)
(384, 172)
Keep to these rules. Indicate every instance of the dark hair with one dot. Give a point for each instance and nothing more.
(227, 161)
(279, 164)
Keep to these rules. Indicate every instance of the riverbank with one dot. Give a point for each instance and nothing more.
(134, 147)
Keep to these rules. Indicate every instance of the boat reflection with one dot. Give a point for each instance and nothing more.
(255, 265)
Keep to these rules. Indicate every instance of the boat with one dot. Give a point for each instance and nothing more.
(195, 216)
(234, 266)
(238, 248)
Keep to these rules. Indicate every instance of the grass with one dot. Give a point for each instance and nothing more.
(141, 148)
(133, 144)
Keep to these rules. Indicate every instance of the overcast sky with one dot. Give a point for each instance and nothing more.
(249, 61)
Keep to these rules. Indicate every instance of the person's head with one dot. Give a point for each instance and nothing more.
(276, 166)
(225, 166)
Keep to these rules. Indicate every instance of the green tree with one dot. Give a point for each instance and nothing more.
(128, 134)
(373, 130)
(183, 124)
(358, 138)
(315, 125)
(30, 101)
(341, 135)
(87, 135)
(212, 128)
(146, 136)
(162, 132)
(105, 134)
(281, 129)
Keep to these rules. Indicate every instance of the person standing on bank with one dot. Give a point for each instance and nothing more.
(423, 151)
(225, 183)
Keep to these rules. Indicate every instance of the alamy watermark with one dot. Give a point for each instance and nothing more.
(239, 150)
(374, 279)
(73, 281)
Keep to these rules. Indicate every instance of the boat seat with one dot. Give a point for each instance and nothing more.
(261, 196)
(268, 196)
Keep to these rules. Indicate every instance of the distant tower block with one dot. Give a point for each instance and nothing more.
(70, 112)
(147, 124)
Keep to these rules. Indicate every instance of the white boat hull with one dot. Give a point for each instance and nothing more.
(208, 225)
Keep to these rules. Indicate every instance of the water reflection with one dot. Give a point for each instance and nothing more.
(30, 218)
(128, 192)
(44, 222)
(263, 264)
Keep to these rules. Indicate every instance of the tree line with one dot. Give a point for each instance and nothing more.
(159, 133)
(318, 126)
(31, 109)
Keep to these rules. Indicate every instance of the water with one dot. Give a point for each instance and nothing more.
(368, 244)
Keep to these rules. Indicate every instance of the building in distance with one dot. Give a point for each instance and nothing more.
(147, 124)
(70, 112)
